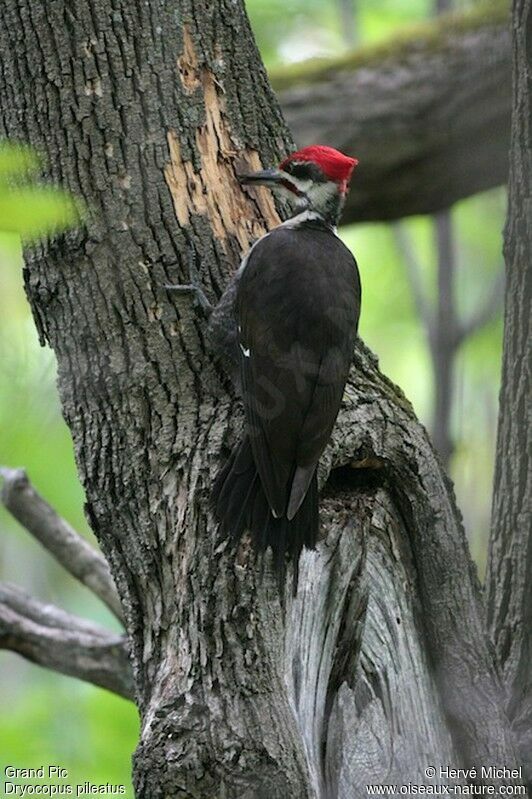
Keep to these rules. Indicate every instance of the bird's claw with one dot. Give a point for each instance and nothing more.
(199, 299)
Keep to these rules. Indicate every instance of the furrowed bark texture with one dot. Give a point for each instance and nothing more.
(427, 116)
(380, 665)
(509, 576)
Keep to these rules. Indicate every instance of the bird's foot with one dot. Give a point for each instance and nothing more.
(200, 301)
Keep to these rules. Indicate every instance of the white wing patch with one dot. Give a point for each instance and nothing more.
(245, 351)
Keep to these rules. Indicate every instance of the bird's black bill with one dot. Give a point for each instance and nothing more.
(266, 177)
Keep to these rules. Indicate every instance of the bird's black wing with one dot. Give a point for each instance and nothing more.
(297, 308)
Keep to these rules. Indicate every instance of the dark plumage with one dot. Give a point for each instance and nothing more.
(297, 307)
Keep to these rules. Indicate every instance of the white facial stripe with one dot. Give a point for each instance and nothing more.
(313, 193)
(303, 186)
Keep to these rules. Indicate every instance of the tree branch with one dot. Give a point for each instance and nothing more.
(347, 13)
(486, 310)
(57, 536)
(62, 642)
(427, 114)
(413, 270)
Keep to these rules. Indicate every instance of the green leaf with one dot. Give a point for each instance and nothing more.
(17, 161)
(34, 211)
(27, 208)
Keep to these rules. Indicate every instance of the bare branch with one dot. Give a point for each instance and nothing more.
(486, 311)
(347, 13)
(413, 268)
(62, 642)
(66, 545)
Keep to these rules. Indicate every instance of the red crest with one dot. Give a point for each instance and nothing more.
(335, 165)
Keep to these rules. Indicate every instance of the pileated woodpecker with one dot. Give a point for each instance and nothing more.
(296, 301)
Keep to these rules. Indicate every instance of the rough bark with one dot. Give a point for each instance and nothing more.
(509, 574)
(427, 115)
(147, 111)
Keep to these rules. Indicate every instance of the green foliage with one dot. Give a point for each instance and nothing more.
(15, 160)
(388, 323)
(26, 208)
(60, 721)
(285, 31)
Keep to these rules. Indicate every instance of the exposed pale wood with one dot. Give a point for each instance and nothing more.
(355, 654)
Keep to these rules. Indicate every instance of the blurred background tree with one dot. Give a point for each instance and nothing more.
(39, 704)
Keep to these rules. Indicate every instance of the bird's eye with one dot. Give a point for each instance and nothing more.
(301, 171)
(305, 170)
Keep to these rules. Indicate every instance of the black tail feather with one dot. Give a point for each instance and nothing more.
(239, 504)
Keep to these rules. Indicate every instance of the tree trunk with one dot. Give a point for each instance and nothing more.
(380, 666)
(509, 574)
